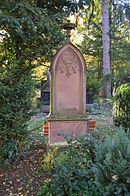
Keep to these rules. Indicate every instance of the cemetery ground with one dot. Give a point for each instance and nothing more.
(28, 174)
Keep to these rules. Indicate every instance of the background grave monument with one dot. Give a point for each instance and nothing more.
(89, 98)
(45, 92)
(68, 92)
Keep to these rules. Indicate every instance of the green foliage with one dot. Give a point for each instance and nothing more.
(35, 26)
(48, 162)
(112, 169)
(121, 106)
(30, 32)
(73, 170)
(119, 34)
(92, 47)
(39, 102)
(16, 92)
(92, 167)
(34, 32)
(93, 82)
(99, 103)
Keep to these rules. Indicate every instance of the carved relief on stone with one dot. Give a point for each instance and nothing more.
(68, 62)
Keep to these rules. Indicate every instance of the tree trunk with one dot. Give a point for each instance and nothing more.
(106, 49)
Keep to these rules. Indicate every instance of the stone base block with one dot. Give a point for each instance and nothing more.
(77, 127)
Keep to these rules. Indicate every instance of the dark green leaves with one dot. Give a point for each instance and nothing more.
(121, 106)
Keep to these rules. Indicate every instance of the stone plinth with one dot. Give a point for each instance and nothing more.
(75, 126)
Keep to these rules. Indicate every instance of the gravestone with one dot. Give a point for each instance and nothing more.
(68, 92)
(89, 96)
(45, 93)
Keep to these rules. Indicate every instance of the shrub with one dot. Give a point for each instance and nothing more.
(73, 170)
(112, 169)
(92, 167)
(121, 106)
(16, 92)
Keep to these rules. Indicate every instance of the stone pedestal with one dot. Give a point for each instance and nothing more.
(69, 127)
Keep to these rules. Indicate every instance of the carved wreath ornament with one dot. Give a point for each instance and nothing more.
(68, 63)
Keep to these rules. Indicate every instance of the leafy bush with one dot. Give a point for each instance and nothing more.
(73, 170)
(121, 106)
(112, 169)
(16, 92)
(92, 167)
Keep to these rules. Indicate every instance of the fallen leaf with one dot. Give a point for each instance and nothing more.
(19, 189)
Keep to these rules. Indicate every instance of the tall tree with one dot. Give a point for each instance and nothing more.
(106, 49)
(120, 42)
(90, 28)
(29, 31)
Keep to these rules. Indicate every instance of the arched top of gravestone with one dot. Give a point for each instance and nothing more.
(68, 59)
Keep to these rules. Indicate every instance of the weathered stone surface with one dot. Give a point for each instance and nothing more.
(69, 127)
(68, 84)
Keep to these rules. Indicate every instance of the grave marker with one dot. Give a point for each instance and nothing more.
(68, 92)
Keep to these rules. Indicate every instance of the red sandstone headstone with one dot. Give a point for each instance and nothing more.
(68, 93)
